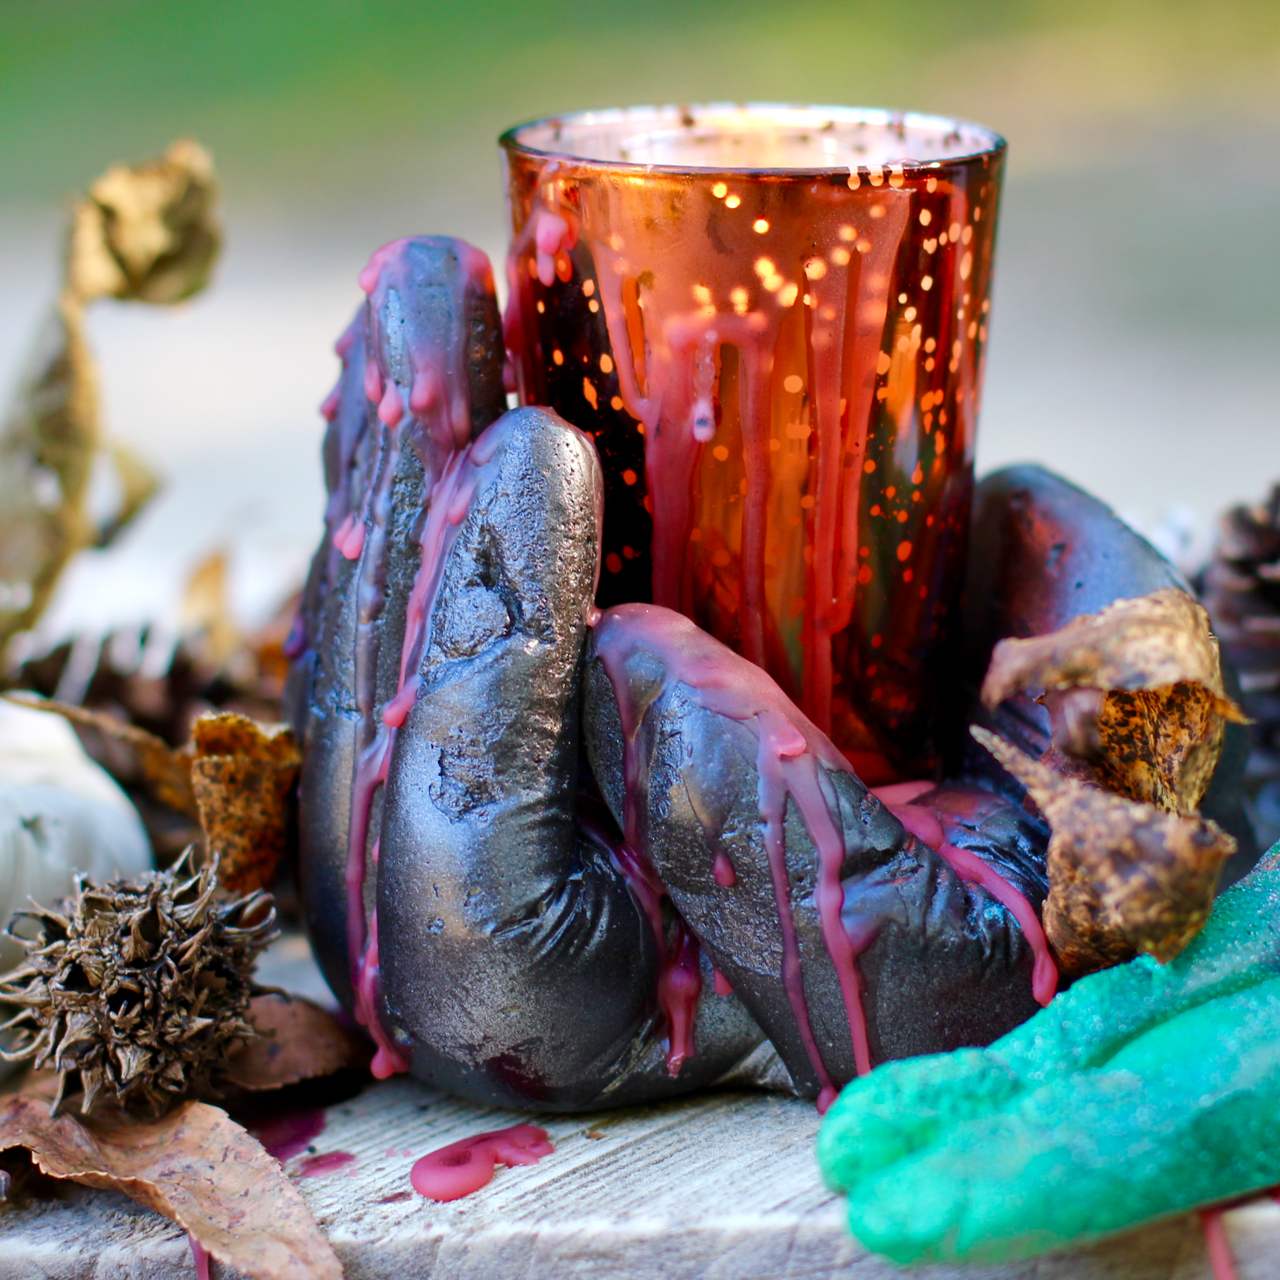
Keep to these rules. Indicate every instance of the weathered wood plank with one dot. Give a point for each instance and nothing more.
(723, 1186)
(719, 1187)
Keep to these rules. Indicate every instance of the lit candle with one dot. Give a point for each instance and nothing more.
(772, 322)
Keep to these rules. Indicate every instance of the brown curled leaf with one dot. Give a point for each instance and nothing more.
(1134, 691)
(163, 771)
(148, 231)
(298, 1040)
(145, 232)
(198, 1168)
(1124, 877)
(241, 775)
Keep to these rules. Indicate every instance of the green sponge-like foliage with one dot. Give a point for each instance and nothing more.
(1144, 1091)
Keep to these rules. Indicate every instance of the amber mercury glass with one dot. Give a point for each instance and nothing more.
(772, 321)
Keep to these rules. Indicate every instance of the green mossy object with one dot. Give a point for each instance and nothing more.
(1144, 1091)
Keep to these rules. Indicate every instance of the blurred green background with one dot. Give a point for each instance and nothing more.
(1135, 321)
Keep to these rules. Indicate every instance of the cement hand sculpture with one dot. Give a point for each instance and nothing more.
(558, 860)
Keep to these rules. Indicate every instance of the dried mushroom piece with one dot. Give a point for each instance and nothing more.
(1134, 691)
(1137, 711)
(242, 773)
(195, 1166)
(146, 233)
(1124, 877)
(137, 991)
(235, 777)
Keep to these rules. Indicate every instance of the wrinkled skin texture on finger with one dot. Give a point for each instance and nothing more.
(514, 957)
(943, 965)
(512, 960)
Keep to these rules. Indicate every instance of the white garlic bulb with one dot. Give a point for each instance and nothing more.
(59, 813)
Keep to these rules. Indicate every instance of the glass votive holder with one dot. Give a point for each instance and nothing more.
(772, 321)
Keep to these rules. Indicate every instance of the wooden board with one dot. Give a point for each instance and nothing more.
(723, 1186)
(719, 1187)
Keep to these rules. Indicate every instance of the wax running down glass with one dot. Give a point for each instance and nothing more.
(772, 322)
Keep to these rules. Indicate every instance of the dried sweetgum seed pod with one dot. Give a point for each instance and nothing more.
(138, 990)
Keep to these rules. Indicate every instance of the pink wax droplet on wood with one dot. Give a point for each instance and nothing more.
(200, 1256)
(391, 407)
(721, 983)
(287, 1135)
(790, 752)
(320, 1165)
(1217, 1245)
(464, 1167)
(723, 871)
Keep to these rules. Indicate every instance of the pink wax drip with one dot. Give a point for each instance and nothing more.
(200, 1256)
(438, 428)
(667, 351)
(722, 870)
(679, 968)
(926, 824)
(320, 1166)
(722, 986)
(1217, 1245)
(348, 538)
(789, 755)
(463, 1167)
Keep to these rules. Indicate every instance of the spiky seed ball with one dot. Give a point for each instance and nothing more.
(136, 990)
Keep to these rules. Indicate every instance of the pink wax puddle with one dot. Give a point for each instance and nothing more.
(463, 1167)
(288, 1135)
(328, 1162)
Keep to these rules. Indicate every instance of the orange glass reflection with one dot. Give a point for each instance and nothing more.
(772, 321)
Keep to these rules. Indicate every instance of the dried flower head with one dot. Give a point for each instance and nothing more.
(137, 990)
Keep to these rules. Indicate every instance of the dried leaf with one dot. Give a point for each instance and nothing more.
(198, 1168)
(297, 1041)
(145, 232)
(164, 772)
(1134, 691)
(205, 615)
(1124, 877)
(242, 775)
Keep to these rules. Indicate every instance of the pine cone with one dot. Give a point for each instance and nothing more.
(1241, 590)
(138, 989)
